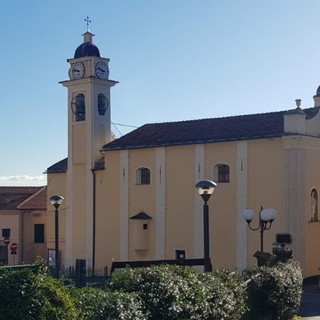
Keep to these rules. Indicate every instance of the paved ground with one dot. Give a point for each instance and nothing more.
(310, 303)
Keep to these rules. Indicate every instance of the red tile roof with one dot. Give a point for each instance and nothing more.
(12, 197)
(38, 201)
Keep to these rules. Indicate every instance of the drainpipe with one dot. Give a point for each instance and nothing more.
(93, 222)
(21, 238)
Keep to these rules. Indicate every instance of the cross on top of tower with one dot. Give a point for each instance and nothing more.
(88, 22)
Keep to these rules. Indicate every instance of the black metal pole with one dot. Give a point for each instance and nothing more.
(261, 235)
(56, 242)
(207, 264)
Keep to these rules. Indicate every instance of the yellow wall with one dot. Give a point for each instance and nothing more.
(107, 211)
(56, 186)
(265, 188)
(180, 172)
(10, 219)
(223, 212)
(144, 200)
(312, 229)
(118, 198)
(33, 250)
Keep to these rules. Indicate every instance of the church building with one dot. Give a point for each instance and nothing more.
(134, 198)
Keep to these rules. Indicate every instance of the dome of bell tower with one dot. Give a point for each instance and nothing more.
(87, 48)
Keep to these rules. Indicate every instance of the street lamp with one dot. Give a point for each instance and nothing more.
(266, 217)
(205, 189)
(56, 202)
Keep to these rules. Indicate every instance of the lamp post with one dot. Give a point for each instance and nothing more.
(56, 201)
(266, 217)
(205, 189)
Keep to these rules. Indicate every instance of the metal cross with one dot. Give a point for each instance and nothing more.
(87, 21)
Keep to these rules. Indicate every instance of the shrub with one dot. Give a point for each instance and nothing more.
(226, 295)
(276, 290)
(30, 294)
(177, 292)
(164, 292)
(96, 304)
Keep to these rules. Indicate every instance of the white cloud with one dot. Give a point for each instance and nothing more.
(23, 180)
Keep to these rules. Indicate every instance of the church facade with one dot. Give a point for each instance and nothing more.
(134, 198)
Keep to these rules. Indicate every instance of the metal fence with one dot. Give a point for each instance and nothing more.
(85, 277)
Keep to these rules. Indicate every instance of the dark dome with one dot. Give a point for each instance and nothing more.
(86, 49)
(318, 91)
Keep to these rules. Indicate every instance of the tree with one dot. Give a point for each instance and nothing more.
(31, 294)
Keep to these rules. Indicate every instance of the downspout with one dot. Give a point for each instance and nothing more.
(93, 222)
(21, 231)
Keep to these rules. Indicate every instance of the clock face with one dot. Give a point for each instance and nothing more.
(78, 70)
(102, 70)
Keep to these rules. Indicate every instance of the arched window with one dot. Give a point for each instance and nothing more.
(221, 173)
(78, 107)
(143, 176)
(102, 104)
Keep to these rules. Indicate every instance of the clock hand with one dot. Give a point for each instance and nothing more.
(102, 70)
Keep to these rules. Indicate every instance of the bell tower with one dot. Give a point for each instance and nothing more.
(89, 128)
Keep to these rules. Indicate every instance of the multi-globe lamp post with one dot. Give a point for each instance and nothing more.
(205, 189)
(266, 217)
(56, 201)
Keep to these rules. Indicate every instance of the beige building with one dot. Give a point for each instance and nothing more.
(23, 219)
(134, 198)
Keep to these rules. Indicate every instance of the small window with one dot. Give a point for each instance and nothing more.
(39, 233)
(222, 173)
(143, 176)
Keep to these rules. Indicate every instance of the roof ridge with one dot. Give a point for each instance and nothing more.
(20, 187)
(227, 117)
(220, 118)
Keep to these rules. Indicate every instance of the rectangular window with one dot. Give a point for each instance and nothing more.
(39, 233)
(6, 233)
(223, 173)
(143, 176)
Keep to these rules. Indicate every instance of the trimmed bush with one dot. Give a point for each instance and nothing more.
(227, 295)
(159, 292)
(275, 291)
(177, 292)
(29, 294)
(96, 304)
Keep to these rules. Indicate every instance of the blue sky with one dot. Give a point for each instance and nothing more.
(174, 60)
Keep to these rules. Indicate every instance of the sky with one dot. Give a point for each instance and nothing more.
(174, 59)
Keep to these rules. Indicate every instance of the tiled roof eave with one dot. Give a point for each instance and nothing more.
(55, 171)
(181, 143)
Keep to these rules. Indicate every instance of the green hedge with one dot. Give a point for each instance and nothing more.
(274, 290)
(175, 292)
(159, 292)
(96, 304)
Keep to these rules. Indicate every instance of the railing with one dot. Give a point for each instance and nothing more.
(85, 276)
